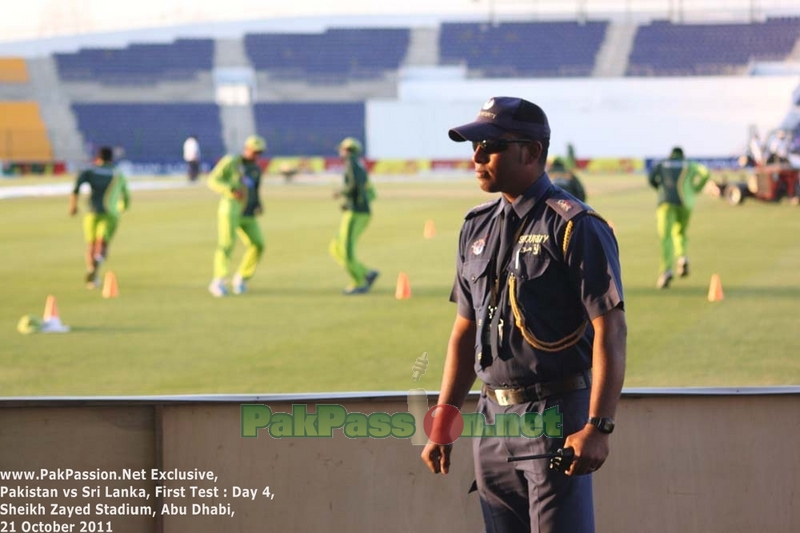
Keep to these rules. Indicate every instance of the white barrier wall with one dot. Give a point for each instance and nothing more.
(682, 461)
(617, 117)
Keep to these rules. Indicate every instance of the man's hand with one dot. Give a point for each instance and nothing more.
(437, 457)
(73, 210)
(591, 450)
(238, 194)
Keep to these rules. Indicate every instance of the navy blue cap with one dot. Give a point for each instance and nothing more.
(504, 114)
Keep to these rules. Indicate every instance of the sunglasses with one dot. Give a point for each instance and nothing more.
(497, 145)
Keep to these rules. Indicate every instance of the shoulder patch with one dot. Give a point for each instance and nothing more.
(567, 208)
(483, 208)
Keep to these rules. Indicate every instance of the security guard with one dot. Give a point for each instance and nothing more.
(237, 179)
(540, 321)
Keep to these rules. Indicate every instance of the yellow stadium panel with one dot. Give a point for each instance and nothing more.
(13, 70)
(23, 114)
(25, 146)
(615, 165)
(23, 134)
(401, 166)
(281, 165)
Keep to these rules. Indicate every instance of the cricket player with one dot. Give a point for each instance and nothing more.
(109, 197)
(678, 181)
(357, 193)
(237, 179)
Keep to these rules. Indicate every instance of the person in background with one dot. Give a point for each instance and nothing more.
(356, 193)
(237, 178)
(678, 181)
(109, 197)
(191, 154)
(566, 179)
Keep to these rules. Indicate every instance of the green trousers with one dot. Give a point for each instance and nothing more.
(672, 221)
(231, 223)
(343, 247)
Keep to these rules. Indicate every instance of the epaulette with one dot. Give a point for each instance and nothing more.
(565, 207)
(483, 208)
(568, 209)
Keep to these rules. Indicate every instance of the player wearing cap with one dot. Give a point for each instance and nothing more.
(109, 197)
(237, 179)
(540, 321)
(357, 192)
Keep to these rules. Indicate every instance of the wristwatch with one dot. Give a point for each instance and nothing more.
(604, 425)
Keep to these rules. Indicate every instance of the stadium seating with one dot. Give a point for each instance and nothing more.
(13, 70)
(309, 129)
(665, 49)
(23, 134)
(332, 57)
(138, 63)
(523, 49)
(152, 129)
(152, 133)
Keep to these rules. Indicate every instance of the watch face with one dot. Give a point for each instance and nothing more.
(605, 425)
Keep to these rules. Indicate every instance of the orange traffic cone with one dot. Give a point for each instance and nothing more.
(403, 290)
(110, 289)
(51, 321)
(430, 230)
(715, 289)
(50, 309)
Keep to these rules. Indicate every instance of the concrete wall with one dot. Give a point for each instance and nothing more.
(618, 117)
(680, 461)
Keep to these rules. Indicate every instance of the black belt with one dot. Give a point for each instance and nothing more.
(538, 391)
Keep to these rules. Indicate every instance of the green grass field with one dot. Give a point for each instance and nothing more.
(294, 332)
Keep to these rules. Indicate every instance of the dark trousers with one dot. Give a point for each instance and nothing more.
(526, 496)
(194, 170)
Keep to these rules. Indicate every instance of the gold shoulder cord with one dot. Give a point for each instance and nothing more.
(561, 344)
(567, 236)
(519, 319)
(568, 231)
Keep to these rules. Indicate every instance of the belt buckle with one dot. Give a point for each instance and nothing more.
(503, 397)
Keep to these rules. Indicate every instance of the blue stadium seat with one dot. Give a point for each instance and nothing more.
(152, 133)
(309, 129)
(138, 63)
(665, 49)
(333, 56)
(523, 49)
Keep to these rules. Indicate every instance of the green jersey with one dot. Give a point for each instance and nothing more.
(356, 186)
(678, 181)
(569, 182)
(234, 173)
(109, 189)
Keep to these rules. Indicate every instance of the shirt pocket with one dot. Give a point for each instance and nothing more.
(546, 311)
(528, 262)
(477, 275)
